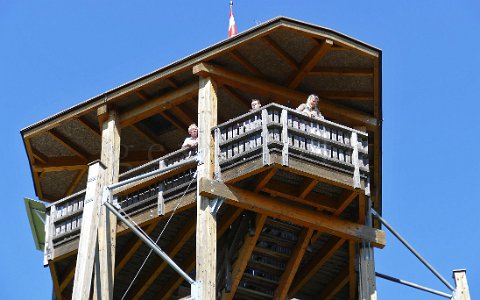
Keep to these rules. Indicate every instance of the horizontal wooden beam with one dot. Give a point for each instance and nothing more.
(331, 109)
(158, 104)
(291, 213)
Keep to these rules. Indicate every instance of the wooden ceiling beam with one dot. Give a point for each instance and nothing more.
(34, 152)
(324, 255)
(309, 62)
(268, 89)
(181, 114)
(239, 98)
(245, 63)
(335, 285)
(290, 212)
(171, 82)
(158, 104)
(345, 199)
(173, 248)
(307, 186)
(64, 141)
(244, 254)
(75, 181)
(94, 129)
(174, 121)
(294, 262)
(264, 178)
(280, 52)
(290, 191)
(339, 71)
(150, 137)
(70, 163)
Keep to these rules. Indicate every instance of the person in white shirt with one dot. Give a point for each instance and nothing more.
(310, 108)
(192, 140)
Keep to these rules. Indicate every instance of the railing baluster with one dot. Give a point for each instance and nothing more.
(217, 153)
(356, 172)
(265, 151)
(285, 139)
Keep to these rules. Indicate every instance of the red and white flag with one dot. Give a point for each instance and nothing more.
(232, 28)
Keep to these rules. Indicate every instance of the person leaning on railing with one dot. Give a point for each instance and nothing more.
(192, 140)
(255, 105)
(310, 108)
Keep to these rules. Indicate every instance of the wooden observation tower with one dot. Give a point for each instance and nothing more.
(272, 204)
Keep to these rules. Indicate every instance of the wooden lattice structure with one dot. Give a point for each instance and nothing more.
(295, 190)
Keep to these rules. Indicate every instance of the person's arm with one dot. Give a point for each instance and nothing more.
(301, 107)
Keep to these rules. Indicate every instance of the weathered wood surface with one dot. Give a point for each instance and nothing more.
(88, 236)
(293, 134)
(291, 213)
(461, 285)
(206, 234)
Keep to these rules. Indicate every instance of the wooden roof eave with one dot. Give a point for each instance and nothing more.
(187, 62)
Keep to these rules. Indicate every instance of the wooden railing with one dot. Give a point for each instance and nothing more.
(278, 128)
(65, 215)
(258, 134)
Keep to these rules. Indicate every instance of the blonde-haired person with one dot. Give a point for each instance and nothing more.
(310, 108)
(192, 140)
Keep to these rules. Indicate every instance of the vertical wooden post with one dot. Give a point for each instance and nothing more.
(355, 162)
(88, 233)
(265, 151)
(367, 289)
(206, 238)
(283, 120)
(461, 285)
(110, 157)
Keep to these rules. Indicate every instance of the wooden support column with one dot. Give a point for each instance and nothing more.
(88, 233)
(461, 285)
(110, 157)
(367, 289)
(206, 238)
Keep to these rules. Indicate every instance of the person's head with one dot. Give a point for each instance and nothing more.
(193, 130)
(312, 100)
(256, 104)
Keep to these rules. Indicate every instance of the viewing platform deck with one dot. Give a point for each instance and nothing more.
(275, 150)
(276, 162)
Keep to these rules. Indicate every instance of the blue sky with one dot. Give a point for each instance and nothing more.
(55, 54)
